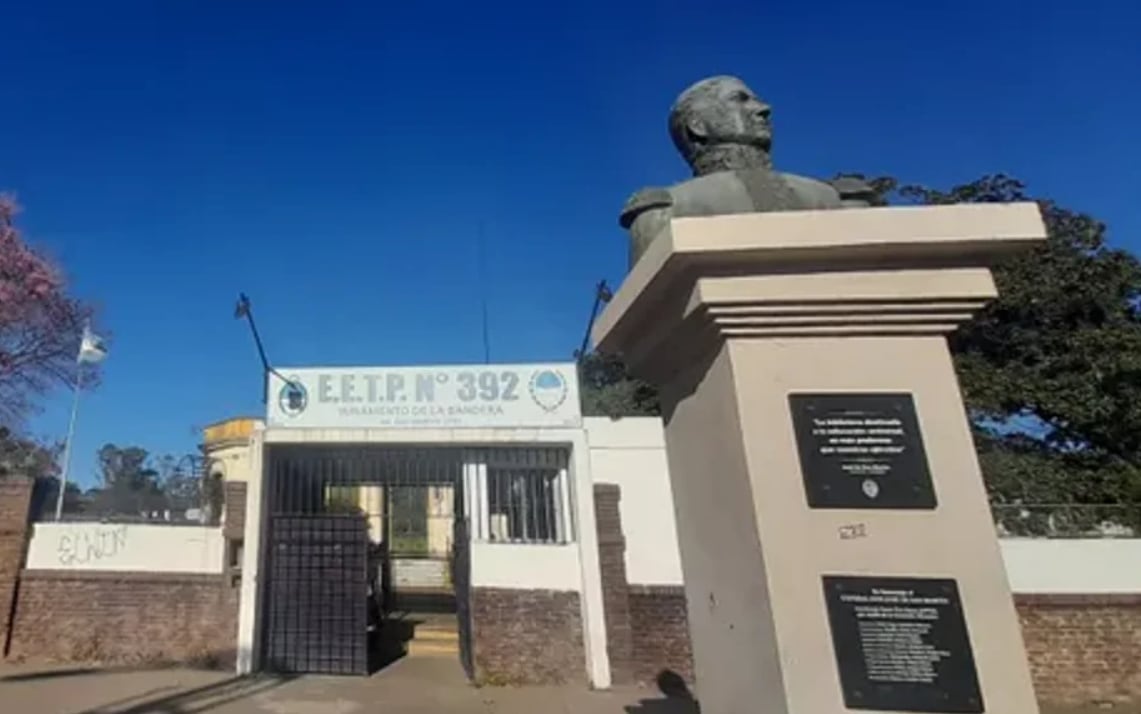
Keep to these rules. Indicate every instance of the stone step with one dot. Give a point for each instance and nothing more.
(434, 635)
(450, 649)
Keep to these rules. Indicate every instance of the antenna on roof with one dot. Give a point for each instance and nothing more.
(482, 265)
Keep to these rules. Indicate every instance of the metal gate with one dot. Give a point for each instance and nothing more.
(317, 619)
(357, 537)
(347, 529)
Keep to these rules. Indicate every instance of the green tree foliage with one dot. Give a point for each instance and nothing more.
(21, 456)
(1050, 371)
(182, 485)
(135, 484)
(608, 390)
(25, 457)
(129, 484)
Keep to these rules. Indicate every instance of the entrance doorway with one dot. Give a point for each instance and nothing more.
(368, 548)
(364, 545)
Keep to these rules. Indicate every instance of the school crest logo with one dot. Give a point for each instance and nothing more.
(548, 389)
(293, 398)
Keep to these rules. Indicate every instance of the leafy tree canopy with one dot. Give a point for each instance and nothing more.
(1050, 371)
(608, 390)
(40, 323)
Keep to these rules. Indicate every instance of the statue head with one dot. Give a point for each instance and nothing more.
(719, 124)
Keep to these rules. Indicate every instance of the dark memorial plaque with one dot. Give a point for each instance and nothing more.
(901, 644)
(861, 451)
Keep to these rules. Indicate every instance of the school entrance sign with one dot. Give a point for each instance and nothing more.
(469, 396)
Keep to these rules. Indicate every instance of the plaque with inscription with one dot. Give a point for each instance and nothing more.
(861, 451)
(902, 644)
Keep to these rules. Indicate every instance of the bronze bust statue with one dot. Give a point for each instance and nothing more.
(722, 130)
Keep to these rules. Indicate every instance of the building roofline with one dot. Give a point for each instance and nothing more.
(220, 422)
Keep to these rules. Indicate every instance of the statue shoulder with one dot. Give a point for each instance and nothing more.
(853, 191)
(645, 200)
(840, 192)
(645, 215)
(812, 194)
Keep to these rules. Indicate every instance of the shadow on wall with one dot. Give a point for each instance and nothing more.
(676, 697)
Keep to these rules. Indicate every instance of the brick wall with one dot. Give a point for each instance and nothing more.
(234, 525)
(1083, 648)
(526, 637)
(612, 571)
(660, 628)
(75, 616)
(15, 499)
(647, 630)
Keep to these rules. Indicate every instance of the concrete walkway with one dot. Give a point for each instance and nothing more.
(411, 685)
(414, 685)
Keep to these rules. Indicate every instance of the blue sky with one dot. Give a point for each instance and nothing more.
(336, 160)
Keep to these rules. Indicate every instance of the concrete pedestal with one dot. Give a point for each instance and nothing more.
(836, 541)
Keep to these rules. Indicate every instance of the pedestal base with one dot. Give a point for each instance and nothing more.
(758, 559)
(836, 540)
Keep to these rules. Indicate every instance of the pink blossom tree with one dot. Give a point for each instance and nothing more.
(40, 324)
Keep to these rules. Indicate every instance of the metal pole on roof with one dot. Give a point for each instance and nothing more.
(245, 309)
(602, 295)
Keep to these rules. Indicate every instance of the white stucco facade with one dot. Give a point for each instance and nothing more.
(227, 448)
(629, 453)
(570, 567)
(526, 566)
(1079, 565)
(126, 547)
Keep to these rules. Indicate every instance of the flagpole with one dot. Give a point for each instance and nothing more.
(67, 443)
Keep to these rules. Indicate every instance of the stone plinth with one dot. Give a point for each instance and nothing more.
(828, 569)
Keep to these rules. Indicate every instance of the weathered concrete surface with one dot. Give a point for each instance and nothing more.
(413, 685)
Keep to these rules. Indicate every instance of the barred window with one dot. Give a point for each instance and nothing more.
(518, 495)
(521, 505)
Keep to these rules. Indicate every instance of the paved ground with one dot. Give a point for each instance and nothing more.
(414, 685)
(410, 686)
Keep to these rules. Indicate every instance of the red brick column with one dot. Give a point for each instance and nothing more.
(235, 510)
(234, 525)
(615, 589)
(660, 626)
(15, 500)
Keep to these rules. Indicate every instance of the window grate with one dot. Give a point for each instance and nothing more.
(519, 495)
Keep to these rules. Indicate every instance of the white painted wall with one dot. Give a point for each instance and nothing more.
(249, 626)
(525, 566)
(233, 461)
(631, 453)
(1095, 565)
(136, 547)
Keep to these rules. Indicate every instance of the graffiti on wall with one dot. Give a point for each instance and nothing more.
(80, 546)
